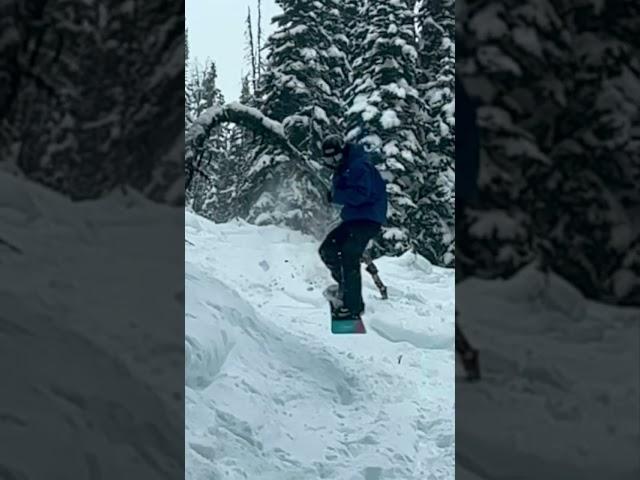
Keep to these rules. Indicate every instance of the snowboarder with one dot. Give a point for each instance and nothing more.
(467, 168)
(358, 187)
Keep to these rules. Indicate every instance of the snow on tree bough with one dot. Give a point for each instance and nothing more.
(250, 118)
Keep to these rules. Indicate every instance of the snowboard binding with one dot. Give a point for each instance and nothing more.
(341, 321)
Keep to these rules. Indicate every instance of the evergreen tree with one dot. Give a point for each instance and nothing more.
(57, 129)
(186, 49)
(350, 13)
(383, 103)
(542, 143)
(259, 39)
(250, 50)
(503, 234)
(435, 199)
(187, 84)
(234, 164)
(202, 189)
(338, 18)
(437, 75)
(297, 91)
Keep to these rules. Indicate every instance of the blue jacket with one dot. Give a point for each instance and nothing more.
(359, 188)
(467, 146)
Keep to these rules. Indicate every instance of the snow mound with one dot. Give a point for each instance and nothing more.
(84, 390)
(530, 284)
(272, 394)
(555, 366)
(413, 260)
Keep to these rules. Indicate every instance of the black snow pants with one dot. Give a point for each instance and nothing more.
(342, 251)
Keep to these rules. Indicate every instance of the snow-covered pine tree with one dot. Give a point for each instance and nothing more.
(537, 66)
(297, 91)
(57, 129)
(436, 73)
(187, 83)
(383, 104)
(350, 12)
(512, 80)
(338, 18)
(240, 143)
(259, 40)
(594, 136)
(435, 200)
(250, 50)
(201, 180)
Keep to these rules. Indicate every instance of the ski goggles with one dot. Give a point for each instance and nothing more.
(331, 153)
(332, 160)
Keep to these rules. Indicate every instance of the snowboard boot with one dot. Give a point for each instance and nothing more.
(344, 313)
(333, 293)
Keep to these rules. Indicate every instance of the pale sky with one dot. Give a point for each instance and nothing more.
(216, 32)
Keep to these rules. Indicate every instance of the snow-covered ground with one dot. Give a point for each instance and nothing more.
(560, 396)
(271, 394)
(79, 344)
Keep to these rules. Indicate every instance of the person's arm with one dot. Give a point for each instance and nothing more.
(354, 188)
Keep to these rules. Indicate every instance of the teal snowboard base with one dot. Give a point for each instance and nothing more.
(346, 325)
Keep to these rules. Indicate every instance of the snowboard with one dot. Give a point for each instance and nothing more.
(342, 325)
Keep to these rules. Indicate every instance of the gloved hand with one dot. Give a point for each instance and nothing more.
(329, 196)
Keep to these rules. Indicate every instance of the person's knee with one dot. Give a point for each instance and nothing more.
(328, 251)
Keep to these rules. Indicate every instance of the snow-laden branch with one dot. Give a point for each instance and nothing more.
(237, 113)
(250, 118)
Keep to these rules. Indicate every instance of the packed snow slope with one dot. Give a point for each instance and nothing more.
(84, 356)
(271, 394)
(559, 396)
